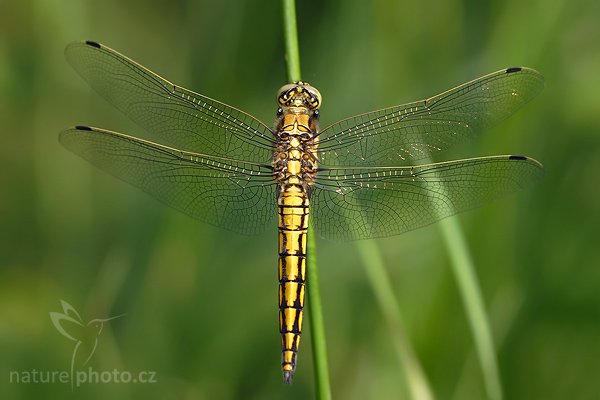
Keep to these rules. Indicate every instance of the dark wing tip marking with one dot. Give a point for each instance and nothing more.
(513, 69)
(83, 128)
(519, 158)
(93, 44)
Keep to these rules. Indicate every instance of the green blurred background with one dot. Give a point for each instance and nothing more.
(201, 302)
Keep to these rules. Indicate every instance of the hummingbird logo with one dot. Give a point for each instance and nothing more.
(85, 335)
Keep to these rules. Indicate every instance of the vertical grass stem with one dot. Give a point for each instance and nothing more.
(315, 312)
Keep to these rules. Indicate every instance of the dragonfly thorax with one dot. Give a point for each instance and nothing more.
(294, 158)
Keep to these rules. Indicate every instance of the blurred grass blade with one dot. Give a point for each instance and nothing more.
(464, 272)
(370, 255)
(315, 312)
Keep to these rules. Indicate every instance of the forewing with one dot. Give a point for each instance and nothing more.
(172, 115)
(365, 203)
(235, 195)
(396, 135)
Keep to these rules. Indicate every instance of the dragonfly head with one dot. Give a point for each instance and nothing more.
(299, 94)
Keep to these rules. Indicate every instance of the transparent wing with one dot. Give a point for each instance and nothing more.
(364, 203)
(235, 195)
(172, 115)
(417, 130)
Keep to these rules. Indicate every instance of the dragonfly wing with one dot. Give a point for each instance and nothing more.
(172, 115)
(364, 203)
(418, 130)
(235, 195)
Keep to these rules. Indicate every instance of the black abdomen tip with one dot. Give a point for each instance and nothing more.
(93, 44)
(513, 69)
(520, 158)
(83, 128)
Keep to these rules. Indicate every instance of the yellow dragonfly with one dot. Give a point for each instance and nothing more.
(357, 177)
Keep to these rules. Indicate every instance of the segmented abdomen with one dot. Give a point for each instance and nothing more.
(293, 225)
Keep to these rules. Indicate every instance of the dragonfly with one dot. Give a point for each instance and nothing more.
(359, 178)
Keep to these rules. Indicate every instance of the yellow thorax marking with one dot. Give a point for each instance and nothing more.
(299, 122)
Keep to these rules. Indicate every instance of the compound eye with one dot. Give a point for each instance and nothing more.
(283, 94)
(314, 96)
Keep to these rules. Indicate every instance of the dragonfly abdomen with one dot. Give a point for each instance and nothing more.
(293, 225)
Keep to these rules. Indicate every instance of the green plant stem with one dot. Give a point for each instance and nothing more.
(317, 326)
(372, 260)
(464, 272)
(290, 34)
(315, 312)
